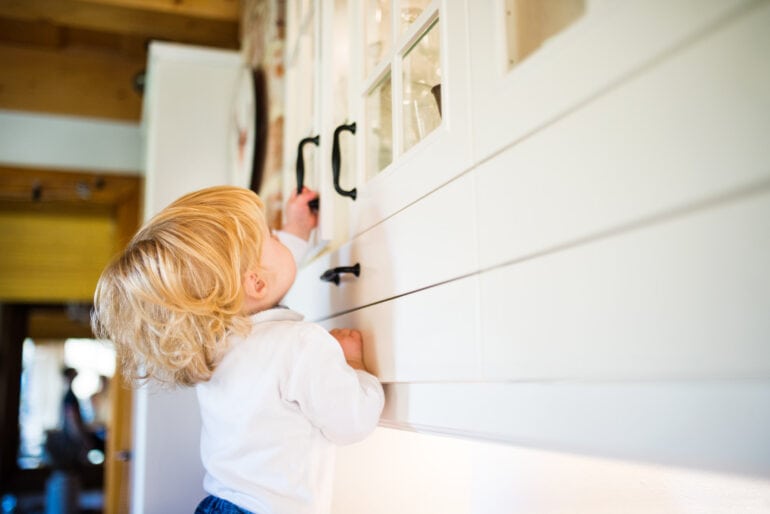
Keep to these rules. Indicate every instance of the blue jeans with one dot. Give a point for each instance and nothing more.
(216, 505)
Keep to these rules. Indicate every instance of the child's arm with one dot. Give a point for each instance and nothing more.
(344, 403)
(300, 218)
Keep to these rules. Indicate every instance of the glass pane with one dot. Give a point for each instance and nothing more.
(341, 58)
(306, 81)
(422, 87)
(378, 32)
(379, 139)
(530, 23)
(307, 6)
(409, 11)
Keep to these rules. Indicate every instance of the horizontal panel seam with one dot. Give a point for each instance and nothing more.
(673, 214)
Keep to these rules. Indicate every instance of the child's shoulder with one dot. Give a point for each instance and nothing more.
(289, 326)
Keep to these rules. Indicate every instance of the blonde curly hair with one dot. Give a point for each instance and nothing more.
(171, 298)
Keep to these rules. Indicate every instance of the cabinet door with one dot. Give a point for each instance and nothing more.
(412, 95)
(302, 94)
(537, 60)
(337, 152)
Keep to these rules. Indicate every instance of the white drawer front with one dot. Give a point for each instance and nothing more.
(430, 335)
(689, 298)
(692, 129)
(430, 242)
(707, 424)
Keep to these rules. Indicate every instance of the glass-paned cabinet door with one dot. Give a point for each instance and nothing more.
(520, 82)
(302, 118)
(339, 129)
(412, 95)
(537, 60)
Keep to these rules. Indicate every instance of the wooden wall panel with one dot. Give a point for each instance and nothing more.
(76, 82)
(46, 257)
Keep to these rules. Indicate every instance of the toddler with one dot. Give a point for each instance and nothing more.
(194, 300)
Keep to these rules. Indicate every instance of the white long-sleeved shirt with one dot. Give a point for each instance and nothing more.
(274, 409)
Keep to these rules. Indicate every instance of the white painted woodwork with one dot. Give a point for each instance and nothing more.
(685, 299)
(430, 242)
(691, 130)
(720, 425)
(613, 41)
(427, 336)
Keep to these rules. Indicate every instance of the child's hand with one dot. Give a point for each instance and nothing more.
(300, 219)
(352, 346)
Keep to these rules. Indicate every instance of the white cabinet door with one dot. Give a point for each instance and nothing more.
(338, 109)
(302, 130)
(535, 61)
(413, 94)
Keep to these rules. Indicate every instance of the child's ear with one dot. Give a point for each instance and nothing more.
(254, 286)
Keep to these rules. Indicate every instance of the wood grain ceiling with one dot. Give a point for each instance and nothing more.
(81, 57)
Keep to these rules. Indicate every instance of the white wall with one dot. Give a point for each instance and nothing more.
(412, 473)
(69, 142)
(185, 121)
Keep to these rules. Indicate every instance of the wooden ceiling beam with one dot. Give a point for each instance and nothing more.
(78, 83)
(224, 10)
(102, 16)
(42, 189)
(55, 323)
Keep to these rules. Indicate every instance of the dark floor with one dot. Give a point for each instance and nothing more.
(89, 502)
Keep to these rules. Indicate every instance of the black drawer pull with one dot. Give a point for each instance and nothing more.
(301, 168)
(333, 275)
(336, 159)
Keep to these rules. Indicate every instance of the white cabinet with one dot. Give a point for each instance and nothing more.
(544, 59)
(584, 221)
(391, 79)
(689, 131)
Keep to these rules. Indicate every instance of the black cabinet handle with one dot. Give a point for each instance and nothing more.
(301, 167)
(336, 159)
(333, 275)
